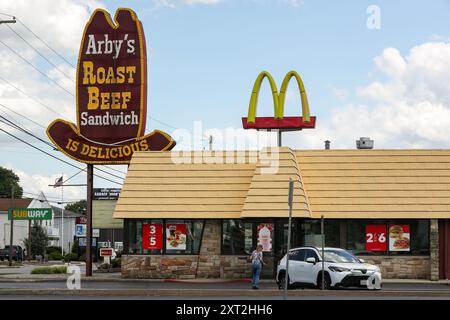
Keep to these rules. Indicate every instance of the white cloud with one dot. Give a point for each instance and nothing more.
(407, 105)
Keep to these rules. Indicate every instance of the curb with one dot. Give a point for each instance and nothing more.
(207, 281)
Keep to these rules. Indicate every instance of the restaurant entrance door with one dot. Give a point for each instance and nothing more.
(444, 249)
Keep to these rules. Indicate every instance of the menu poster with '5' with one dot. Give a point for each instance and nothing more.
(152, 236)
(399, 238)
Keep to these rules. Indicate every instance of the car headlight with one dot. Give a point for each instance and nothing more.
(338, 269)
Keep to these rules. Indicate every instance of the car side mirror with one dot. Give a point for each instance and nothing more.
(311, 260)
(362, 260)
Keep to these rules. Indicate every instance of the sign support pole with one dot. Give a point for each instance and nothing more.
(11, 234)
(62, 216)
(322, 230)
(90, 183)
(290, 198)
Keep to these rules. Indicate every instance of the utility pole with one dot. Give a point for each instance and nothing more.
(11, 234)
(29, 240)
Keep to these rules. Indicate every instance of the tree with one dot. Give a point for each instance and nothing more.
(39, 241)
(78, 207)
(8, 178)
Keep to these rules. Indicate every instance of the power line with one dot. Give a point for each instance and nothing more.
(118, 171)
(40, 39)
(13, 125)
(35, 68)
(25, 94)
(40, 54)
(21, 115)
(49, 154)
(17, 127)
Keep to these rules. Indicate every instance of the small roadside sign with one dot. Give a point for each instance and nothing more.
(106, 252)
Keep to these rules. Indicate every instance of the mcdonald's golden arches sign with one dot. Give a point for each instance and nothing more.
(278, 121)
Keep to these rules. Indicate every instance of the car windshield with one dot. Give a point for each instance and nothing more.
(340, 256)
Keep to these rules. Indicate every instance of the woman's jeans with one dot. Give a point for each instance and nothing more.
(256, 270)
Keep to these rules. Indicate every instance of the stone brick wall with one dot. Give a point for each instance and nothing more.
(210, 264)
(398, 267)
(434, 250)
(159, 267)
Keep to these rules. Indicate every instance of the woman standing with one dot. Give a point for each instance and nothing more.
(257, 263)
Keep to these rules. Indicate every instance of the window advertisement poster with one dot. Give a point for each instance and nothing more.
(176, 236)
(248, 234)
(265, 232)
(399, 237)
(152, 236)
(376, 238)
(80, 230)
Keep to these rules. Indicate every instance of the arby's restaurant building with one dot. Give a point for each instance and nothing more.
(200, 214)
(202, 220)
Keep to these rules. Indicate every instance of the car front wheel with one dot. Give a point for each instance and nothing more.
(327, 281)
(282, 282)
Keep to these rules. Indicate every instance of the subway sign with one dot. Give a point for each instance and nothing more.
(30, 214)
(111, 94)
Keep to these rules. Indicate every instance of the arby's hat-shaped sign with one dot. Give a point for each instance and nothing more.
(111, 99)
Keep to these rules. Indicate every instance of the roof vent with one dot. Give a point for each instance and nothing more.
(364, 143)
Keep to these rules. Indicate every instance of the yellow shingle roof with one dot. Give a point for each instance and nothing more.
(211, 185)
(333, 183)
(377, 183)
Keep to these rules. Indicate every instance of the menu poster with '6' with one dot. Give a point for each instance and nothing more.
(376, 239)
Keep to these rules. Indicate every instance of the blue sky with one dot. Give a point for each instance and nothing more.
(204, 55)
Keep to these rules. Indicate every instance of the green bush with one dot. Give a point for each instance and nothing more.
(53, 249)
(116, 263)
(55, 255)
(71, 257)
(49, 270)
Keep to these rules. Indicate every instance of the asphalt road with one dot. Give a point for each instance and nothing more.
(177, 285)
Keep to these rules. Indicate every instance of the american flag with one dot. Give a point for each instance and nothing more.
(58, 182)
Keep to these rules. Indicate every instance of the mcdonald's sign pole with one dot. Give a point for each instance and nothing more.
(278, 122)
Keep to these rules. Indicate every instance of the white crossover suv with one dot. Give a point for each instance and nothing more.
(341, 269)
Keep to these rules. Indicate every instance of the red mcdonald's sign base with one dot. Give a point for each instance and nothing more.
(286, 123)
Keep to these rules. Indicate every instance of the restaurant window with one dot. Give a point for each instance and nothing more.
(237, 237)
(388, 237)
(158, 236)
(311, 231)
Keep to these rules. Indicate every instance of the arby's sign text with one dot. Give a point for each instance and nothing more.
(111, 99)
